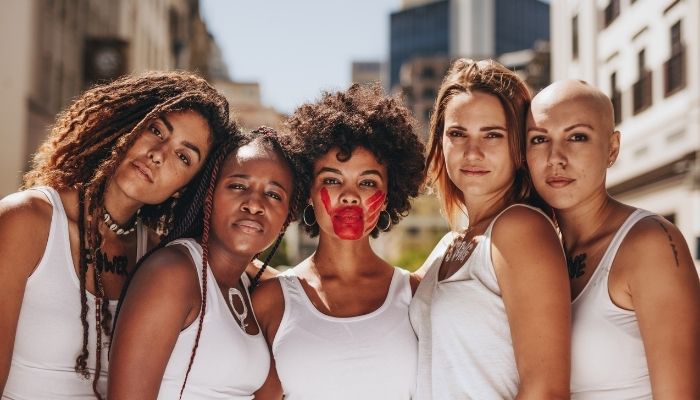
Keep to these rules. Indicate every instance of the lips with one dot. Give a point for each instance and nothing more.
(558, 181)
(474, 171)
(250, 226)
(143, 170)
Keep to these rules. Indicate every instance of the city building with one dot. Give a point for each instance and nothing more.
(54, 49)
(246, 106)
(645, 54)
(464, 28)
(364, 72)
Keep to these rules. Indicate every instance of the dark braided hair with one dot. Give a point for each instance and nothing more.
(88, 142)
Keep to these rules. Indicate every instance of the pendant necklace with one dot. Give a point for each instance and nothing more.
(461, 248)
(241, 316)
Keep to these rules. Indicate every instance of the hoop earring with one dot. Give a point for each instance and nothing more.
(388, 221)
(306, 219)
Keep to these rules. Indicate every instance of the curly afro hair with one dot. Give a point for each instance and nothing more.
(361, 116)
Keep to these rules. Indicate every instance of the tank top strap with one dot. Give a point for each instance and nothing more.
(610, 253)
(141, 239)
(401, 288)
(292, 290)
(195, 250)
(55, 200)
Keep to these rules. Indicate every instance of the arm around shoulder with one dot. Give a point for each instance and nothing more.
(25, 221)
(162, 299)
(531, 270)
(665, 291)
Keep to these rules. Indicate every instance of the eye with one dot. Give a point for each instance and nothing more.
(183, 158)
(154, 130)
(236, 186)
(330, 181)
(368, 183)
(274, 195)
(454, 133)
(494, 135)
(539, 139)
(578, 137)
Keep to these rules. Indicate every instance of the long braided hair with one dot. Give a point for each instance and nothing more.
(195, 220)
(88, 142)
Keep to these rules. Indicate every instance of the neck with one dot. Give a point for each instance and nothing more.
(119, 206)
(482, 209)
(226, 266)
(579, 224)
(345, 258)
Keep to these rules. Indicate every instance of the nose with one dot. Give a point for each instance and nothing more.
(253, 205)
(556, 156)
(349, 197)
(155, 155)
(472, 151)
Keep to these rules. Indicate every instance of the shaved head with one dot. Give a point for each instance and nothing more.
(592, 101)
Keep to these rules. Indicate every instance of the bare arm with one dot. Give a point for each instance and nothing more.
(268, 303)
(665, 292)
(25, 220)
(163, 298)
(531, 271)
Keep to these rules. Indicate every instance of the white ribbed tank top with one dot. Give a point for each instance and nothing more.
(49, 332)
(230, 364)
(465, 349)
(608, 361)
(371, 356)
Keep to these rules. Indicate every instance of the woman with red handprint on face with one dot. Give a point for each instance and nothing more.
(337, 323)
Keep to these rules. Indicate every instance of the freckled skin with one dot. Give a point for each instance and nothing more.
(349, 221)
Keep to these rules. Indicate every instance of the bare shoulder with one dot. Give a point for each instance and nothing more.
(28, 207)
(268, 297)
(652, 244)
(25, 222)
(171, 269)
(522, 224)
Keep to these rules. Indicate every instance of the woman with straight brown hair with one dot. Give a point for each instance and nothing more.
(491, 314)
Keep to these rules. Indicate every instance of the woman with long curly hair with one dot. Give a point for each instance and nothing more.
(337, 323)
(112, 174)
(491, 313)
(191, 297)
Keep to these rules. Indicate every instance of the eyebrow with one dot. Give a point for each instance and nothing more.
(534, 128)
(574, 126)
(372, 172)
(337, 171)
(192, 147)
(244, 176)
(482, 129)
(167, 123)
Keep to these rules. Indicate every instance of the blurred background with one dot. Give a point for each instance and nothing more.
(269, 56)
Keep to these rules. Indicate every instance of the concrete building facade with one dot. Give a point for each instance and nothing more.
(645, 55)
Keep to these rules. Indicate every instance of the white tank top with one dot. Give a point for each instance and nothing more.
(607, 355)
(371, 356)
(230, 364)
(49, 331)
(465, 350)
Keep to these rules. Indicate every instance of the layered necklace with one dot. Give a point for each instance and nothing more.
(97, 257)
(241, 316)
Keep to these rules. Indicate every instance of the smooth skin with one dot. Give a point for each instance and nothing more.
(343, 278)
(526, 253)
(571, 141)
(163, 159)
(250, 206)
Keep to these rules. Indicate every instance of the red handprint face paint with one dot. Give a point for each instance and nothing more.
(350, 222)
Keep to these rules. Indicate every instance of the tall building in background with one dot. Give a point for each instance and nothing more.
(53, 49)
(645, 54)
(464, 28)
(364, 72)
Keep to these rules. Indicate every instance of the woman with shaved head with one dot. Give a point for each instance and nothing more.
(635, 290)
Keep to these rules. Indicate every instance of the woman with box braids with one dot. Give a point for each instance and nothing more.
(186, 328)
(113, 172)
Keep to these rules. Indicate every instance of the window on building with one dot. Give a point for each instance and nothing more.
(574, 37)
(612, 11)
(429, 94)
(616, 98)
(642, 88)
(428, 73)
(674, 67)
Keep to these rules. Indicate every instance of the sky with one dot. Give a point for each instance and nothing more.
(296, 49)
